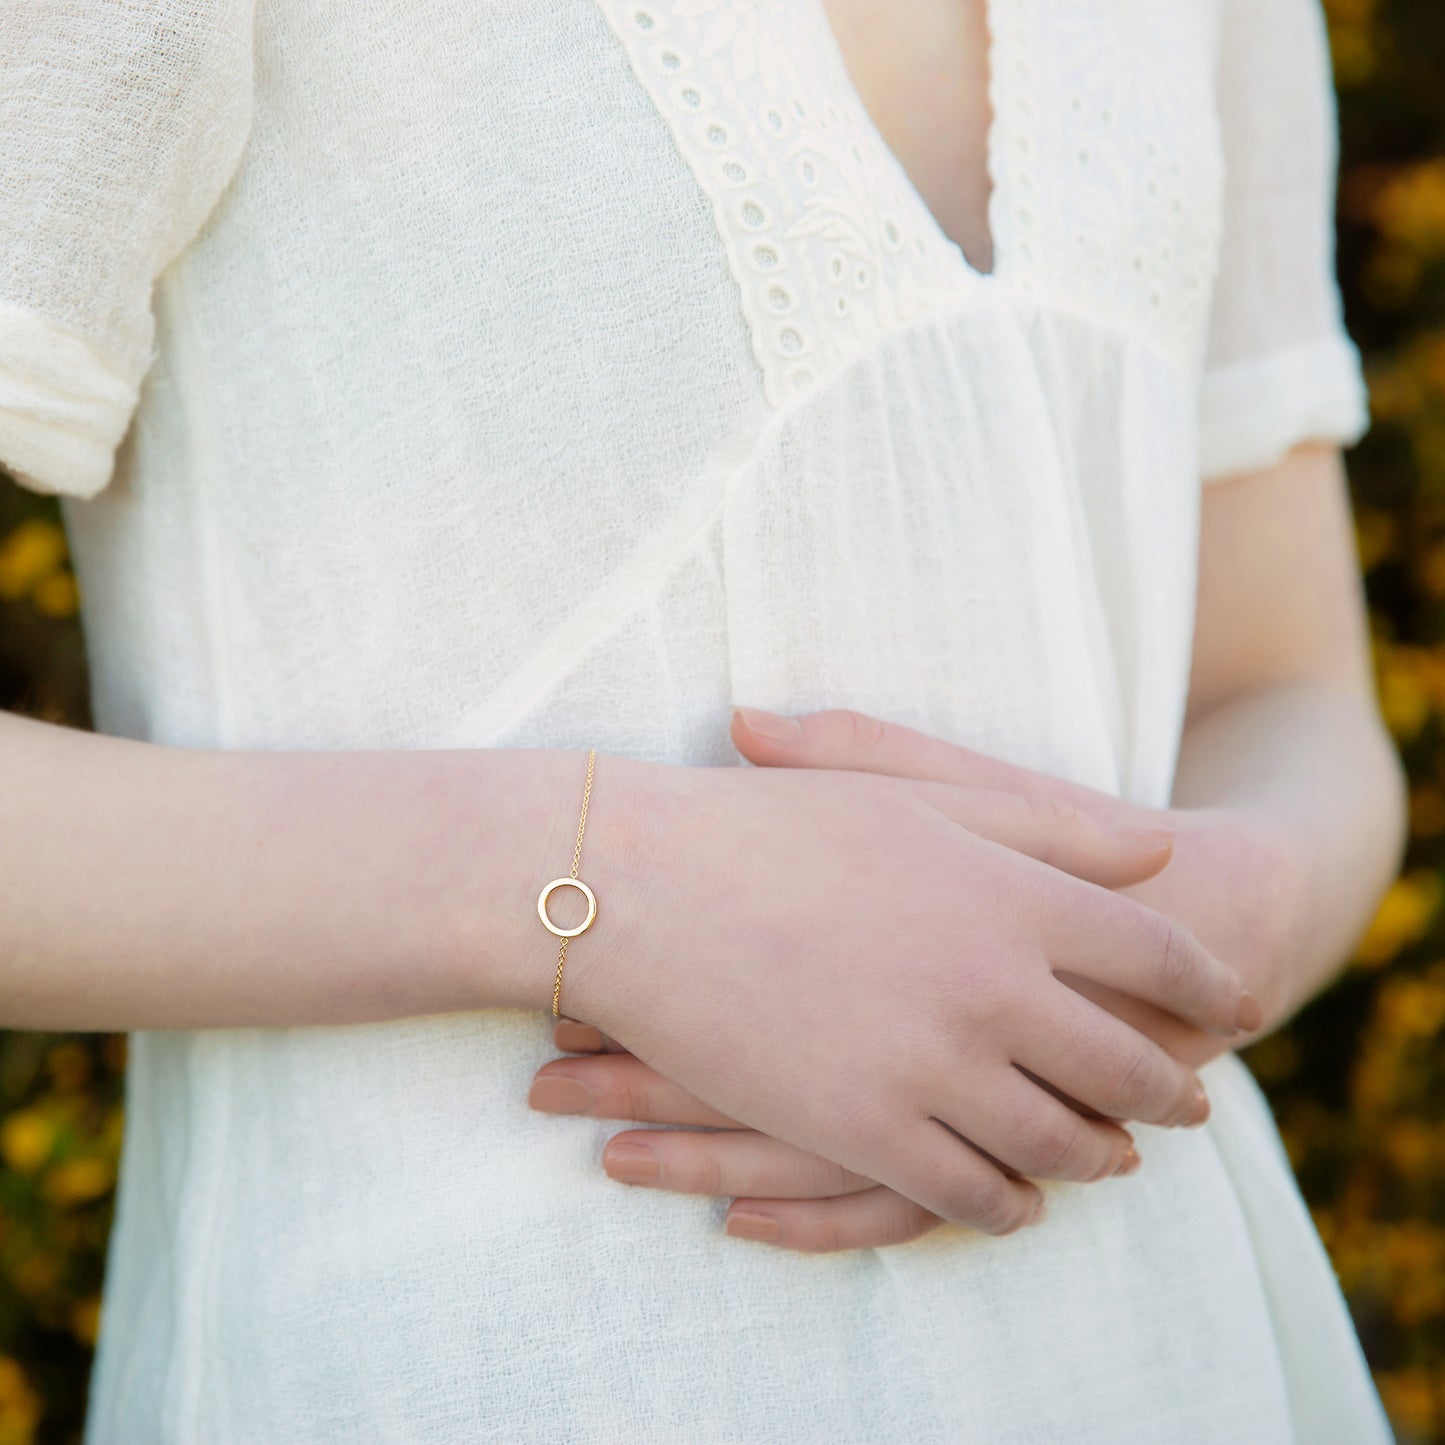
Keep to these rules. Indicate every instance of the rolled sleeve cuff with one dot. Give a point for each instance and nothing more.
(1253, 412)
(63, 409)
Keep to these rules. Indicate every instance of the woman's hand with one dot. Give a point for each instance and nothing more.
(1228, 876)
(1235, 881)
(781, 1194)
(864, 968)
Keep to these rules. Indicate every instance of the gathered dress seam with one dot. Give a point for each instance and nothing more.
(193, 377)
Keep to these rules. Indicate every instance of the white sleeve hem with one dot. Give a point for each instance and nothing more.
(1253, 412)
(63, 410)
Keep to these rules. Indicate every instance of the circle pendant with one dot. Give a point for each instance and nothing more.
(567, 883)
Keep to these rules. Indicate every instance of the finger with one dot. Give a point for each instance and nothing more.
(1090, 1056)
(1029, 1131)
(928, 1162)
(871, 1219)
(1178, 1039)
(858, 742)
(618, 1086)
(736, 1161)
(1053, 831)
(1124, 943)
(573, 1037)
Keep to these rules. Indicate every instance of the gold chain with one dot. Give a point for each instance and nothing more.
(567, 934)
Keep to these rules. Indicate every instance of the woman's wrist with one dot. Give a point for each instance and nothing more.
(513, 830)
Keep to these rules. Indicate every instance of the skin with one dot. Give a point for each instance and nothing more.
(921, 71)
(1288, 818)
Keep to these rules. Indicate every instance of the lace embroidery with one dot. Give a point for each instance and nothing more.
(820, 222)
(1104, 158)
(1114, 136)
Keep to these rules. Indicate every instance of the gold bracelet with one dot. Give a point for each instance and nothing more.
(572, 881)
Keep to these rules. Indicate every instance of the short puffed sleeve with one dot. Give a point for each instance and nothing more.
(120, 125)
(1280, 367)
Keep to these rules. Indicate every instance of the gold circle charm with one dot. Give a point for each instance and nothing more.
(570, 883)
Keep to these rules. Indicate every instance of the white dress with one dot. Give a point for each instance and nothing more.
(557, 372)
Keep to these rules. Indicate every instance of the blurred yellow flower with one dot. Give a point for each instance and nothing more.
(77, 1181)
(34, 550)
(1404, 915)
(1410, 208)
(1412, 1007)
(57, 595)
(1413, 1148)
(1352, 40)
(26, 1139)
(19, 1404)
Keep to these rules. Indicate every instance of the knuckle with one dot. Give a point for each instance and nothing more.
(860, 730)
(1173, 956)
(1062, 813)
(629, 1092)
(1133, 1083)
(1054, 821)
(698, 1167)
(983, 1204)
(1058, 1147)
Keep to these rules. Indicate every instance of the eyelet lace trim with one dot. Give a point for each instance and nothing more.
(820, 222)
(1104, 157)
(1110, 168)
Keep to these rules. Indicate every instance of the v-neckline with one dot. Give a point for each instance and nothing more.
(1000, 250)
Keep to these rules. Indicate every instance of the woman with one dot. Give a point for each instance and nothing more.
(439, 393)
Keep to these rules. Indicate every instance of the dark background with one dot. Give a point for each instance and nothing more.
(1357, 1082)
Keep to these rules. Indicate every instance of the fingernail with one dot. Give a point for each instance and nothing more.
(1129, 1163)
(753, 1226)
(576, 1038)
(631, 1163)
(554, 1095)
(1040, 1211)
(770, 724)
(1198, 1110)
(1248, 1016)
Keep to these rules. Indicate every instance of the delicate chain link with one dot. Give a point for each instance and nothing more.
(576, 860)
(582, 823)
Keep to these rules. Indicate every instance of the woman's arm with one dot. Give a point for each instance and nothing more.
(1283, 720)
(146, 886)
(153, 887)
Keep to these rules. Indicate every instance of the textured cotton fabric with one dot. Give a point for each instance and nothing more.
(439, 375)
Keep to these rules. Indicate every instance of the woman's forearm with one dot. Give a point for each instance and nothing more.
(1317, 759)
(144, 886)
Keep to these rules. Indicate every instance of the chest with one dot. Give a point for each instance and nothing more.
(922, 72)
